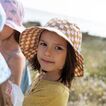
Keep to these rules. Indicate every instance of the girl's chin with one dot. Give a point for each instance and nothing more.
(45, 69)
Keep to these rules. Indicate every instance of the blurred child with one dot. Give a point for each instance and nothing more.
(4, 70)
(11, 52)
(9, 38)
(53, 50)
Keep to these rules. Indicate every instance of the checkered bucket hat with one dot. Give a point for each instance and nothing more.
(14, 14)
(69, 31)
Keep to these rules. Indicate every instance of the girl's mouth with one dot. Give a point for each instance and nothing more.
(47, 61)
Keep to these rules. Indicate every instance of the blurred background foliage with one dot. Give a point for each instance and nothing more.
(90, 90)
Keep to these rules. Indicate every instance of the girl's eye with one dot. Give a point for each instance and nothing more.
(58, 48)
(42, 44)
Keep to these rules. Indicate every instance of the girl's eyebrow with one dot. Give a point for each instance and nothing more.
(61, 45)
(58, 44)
(41, 40)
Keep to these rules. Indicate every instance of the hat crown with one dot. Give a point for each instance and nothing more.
(14, 12)
(70, 30)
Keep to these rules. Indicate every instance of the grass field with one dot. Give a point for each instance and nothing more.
(94, 51)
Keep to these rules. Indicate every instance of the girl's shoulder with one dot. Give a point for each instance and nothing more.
(52, 87)
(48, 93)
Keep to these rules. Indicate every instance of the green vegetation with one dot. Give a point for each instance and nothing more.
(91, 89)
(94, 51)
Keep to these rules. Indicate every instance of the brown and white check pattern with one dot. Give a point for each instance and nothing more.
(69, 31)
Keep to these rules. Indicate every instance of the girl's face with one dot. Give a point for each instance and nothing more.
(52, 51)
(6, 32)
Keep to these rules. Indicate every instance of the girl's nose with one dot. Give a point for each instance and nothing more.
(48, 52)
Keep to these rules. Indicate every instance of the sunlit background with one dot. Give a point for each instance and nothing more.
(88, 14)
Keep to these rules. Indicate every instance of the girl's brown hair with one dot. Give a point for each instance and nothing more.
(16, 36)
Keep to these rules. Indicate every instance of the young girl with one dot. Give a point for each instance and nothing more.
(53, 50)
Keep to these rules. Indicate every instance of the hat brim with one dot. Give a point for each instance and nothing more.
(29, 42)
(19, 28)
